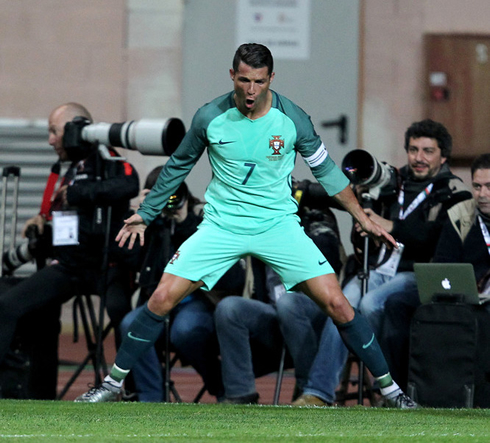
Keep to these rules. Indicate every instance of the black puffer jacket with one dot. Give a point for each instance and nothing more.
(89, 197)
(420, 230)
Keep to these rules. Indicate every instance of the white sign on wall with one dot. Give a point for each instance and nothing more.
(282, 25)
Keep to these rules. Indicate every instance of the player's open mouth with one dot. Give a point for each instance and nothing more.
(249, 102)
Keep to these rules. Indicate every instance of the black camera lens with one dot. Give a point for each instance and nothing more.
(359, 166)
(177, 200)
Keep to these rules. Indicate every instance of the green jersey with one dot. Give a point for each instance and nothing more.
(252, 162)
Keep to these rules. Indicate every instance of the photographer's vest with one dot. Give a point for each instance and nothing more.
(462, 216)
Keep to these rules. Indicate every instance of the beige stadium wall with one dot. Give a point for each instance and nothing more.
(56, 51)
(392, 74)
(122, 59)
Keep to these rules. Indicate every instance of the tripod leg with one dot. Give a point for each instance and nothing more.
(364, 289)
(280, 374)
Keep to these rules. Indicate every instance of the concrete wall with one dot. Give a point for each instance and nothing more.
(123, 60)
(56, 51)
(120, 58)
(392, 79)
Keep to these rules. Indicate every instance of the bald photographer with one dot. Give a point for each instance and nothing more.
(78, 214)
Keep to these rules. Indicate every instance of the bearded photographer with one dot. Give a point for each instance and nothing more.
(72, 213)
(414, 218)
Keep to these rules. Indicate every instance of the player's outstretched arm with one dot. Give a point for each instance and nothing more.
(133, 227)
(349, 201)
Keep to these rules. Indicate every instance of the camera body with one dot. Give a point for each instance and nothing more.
(177, 200)
(312, 195)
(148, 136)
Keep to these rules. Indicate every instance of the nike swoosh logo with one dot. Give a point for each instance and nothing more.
(368, 344)
(221, 142)
(130, 335)
(322, 262)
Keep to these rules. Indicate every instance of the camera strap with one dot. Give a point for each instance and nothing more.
(49, 191)
(485, 233)
(389, 266)
(50, 204)
(419, 199)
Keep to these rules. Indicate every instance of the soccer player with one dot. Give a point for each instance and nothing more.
(252, 135)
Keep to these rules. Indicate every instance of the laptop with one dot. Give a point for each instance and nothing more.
(447, 279)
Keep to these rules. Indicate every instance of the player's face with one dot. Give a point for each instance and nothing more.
(424, 157)
(56, 129)
(251, 89)
(481, 189)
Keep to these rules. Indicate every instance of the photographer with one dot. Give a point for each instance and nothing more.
(76, 215)
(428, 189)
(192, 330)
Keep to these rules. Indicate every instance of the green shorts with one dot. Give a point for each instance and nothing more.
(211, 251)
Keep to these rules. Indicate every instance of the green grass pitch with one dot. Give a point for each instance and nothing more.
(61, 421)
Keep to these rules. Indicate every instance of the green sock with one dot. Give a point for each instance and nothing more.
(388, 386)
(360, 340)
(385, 380)
(143, 332)
(118, 374)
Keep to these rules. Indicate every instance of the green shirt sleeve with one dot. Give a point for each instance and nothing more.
(330, 176)
(311, 148)
(175, 170)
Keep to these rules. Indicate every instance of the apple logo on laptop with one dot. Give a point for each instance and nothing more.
(446, 284)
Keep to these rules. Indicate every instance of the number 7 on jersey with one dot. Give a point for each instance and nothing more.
(252, 167)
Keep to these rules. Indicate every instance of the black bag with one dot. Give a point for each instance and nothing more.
(30, 369)
(443, 353)
(482, 372)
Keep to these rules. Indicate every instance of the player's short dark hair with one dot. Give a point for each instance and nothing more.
(431, 129)
(254, 55)
(480, 162)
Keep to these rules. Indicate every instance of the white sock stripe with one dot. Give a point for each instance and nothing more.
(390, 390)
(112, 382)
(318, 157)
(121, 370)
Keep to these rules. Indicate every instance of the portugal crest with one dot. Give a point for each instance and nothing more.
(276, 144)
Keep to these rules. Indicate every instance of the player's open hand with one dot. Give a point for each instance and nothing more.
(367, 222)
(379, 234)
(133, 227)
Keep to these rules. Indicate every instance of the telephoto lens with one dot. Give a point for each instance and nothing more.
(363, 169)
(148, 136)
(15, 257)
